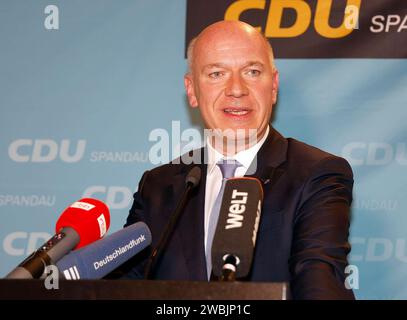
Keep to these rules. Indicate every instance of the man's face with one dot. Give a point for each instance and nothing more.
(232, 82)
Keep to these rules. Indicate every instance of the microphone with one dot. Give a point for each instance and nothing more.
(236, 231)
(192, 180)
(103, 256)
(83, 222)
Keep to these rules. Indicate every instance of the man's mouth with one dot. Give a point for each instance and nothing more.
(236, 112)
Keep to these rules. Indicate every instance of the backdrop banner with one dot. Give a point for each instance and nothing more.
(92, 95)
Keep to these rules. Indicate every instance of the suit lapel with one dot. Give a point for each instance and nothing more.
(267, 165)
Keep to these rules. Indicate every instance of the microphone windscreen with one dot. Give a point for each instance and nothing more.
(103, 256)
(238, 223)
(89, 217)
(194, 176)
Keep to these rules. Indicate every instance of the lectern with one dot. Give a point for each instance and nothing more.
(142, 290)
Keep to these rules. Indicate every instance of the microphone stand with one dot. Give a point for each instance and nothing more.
(191, 182)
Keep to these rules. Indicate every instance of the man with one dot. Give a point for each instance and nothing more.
(303, 232)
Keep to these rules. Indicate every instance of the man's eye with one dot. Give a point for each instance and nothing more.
(253, 72)
(216, 74)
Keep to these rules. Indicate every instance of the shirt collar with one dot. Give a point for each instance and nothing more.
(244, 157)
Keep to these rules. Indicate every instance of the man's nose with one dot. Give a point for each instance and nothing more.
(236, 87)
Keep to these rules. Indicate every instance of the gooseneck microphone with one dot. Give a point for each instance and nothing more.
(101, 257)
(192, 180)
(236, 232)
(83, 222)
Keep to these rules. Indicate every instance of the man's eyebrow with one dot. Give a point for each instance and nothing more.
(222, 65)
(253, 63)
(214, 65)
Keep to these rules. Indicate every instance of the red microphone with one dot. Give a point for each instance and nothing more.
(89, 217)
(82, 223)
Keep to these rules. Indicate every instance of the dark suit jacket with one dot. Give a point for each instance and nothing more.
(303, 231)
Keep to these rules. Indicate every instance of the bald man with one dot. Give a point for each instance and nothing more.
(303, 233)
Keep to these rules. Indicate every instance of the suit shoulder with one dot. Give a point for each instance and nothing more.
(307, 159)
(306, 152)
(164, 171)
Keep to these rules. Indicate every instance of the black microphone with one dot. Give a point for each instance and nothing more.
(236, 231)
(192, 180)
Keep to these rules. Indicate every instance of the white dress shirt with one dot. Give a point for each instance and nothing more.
(214, 175)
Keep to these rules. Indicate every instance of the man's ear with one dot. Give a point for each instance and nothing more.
(190, 91)
(276, 83)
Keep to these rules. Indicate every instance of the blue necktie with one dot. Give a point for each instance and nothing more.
(228, 168)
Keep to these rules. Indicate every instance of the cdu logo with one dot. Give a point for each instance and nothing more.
(275, 26)
(46, 150)
(20, 243)
(375, 153)
(312, 28)
(116, 197)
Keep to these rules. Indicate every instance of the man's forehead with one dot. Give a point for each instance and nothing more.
(243, 53)
(225, 41)
(224, 47)
(231, 43)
